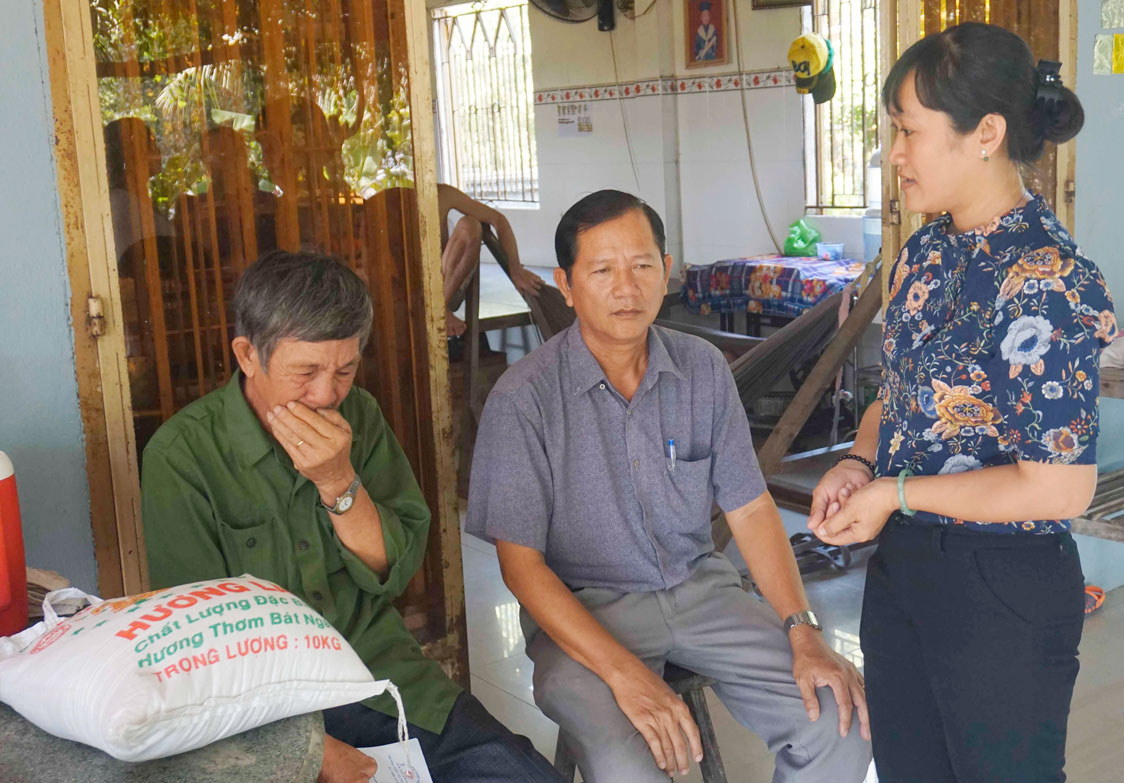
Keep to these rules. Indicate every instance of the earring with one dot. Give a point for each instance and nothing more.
(983, 154)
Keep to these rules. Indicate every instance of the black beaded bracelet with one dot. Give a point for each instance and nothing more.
(870, 465)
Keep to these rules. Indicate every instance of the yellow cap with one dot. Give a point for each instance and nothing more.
(808, 56)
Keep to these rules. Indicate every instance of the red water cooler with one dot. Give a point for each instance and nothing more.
(13, 570)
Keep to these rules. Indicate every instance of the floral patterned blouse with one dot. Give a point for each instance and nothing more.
(990, 350)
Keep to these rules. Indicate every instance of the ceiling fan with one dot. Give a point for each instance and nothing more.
(582, 11)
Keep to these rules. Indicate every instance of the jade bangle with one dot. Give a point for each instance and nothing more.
(906, 510)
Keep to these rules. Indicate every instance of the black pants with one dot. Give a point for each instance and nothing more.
(970, 644)
(473, 748)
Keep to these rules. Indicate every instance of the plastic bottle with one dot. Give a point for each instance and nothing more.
(872, 233)
(872, 218)
(13, 569)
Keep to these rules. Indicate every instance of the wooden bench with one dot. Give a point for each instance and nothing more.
(1105, 516)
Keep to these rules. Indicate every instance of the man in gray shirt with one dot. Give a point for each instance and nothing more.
(597, 461)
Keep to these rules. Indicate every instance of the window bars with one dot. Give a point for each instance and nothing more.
(846, 127)
(485, 100)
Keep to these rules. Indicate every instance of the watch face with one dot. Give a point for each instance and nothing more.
(345, 503)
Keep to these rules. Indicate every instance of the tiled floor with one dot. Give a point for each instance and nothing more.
(501, 672)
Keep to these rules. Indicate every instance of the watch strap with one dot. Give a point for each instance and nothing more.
(802, 618)
(352, 491)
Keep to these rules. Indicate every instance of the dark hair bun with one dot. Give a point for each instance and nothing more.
(973, 69)
(1061, 117)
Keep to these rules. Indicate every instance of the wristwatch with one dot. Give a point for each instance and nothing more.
(801, 618)
(346, 500)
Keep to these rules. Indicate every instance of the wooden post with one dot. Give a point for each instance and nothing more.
(279, 122)
(472, 354)
(137, 171)
(808, 395)
(900, 27)
(1064, 199)
(185, 216)
(821, 377)
(445, 515)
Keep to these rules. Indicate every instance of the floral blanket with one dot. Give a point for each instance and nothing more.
(769, 284)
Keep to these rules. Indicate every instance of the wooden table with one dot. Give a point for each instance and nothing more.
(1105, 515)
(1112, 382)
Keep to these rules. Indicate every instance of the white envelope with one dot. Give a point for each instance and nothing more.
(393, 767)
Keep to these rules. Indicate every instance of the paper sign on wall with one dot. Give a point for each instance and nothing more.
(1102, 55)
(1108, 54)
(574, 119)
(1112, 13)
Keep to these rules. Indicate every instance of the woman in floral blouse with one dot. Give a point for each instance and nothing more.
(984, 434)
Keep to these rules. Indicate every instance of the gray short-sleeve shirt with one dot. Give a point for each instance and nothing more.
(565, 465)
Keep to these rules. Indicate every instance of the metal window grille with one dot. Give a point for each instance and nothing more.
(485, 100)
(846, 127)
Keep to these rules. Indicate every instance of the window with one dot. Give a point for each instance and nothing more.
(844, 131)
(485, 100)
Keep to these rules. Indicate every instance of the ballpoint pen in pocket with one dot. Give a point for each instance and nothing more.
(671, 453)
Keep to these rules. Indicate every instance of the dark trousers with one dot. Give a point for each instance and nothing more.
(970, 643)
(473, 748)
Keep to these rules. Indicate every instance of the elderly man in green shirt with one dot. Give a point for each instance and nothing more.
(290, 473)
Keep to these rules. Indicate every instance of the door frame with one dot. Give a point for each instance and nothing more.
(452, 649)
(1067, 153)
(900, 22)
(101, 365)
(105, 402)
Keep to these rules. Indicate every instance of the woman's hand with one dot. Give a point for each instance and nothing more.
(861, 515)
(834, 488)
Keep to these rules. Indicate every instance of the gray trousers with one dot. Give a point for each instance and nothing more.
(710, 625)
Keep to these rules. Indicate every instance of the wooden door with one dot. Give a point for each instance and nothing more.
(1049, 28)
(900, 29)
(210, 131)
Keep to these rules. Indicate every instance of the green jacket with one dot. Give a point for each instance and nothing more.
(220, 497)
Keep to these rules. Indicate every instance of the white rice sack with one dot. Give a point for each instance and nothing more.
(169, 671)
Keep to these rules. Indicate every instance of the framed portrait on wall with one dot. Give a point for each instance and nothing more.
(706, 32)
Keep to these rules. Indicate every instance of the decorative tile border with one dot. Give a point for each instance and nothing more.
(751, 80)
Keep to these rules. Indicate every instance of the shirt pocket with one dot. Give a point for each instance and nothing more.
(250, 545)
(688, 492)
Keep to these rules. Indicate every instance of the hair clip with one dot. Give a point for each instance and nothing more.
(1049, 81)
(1049, 71)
